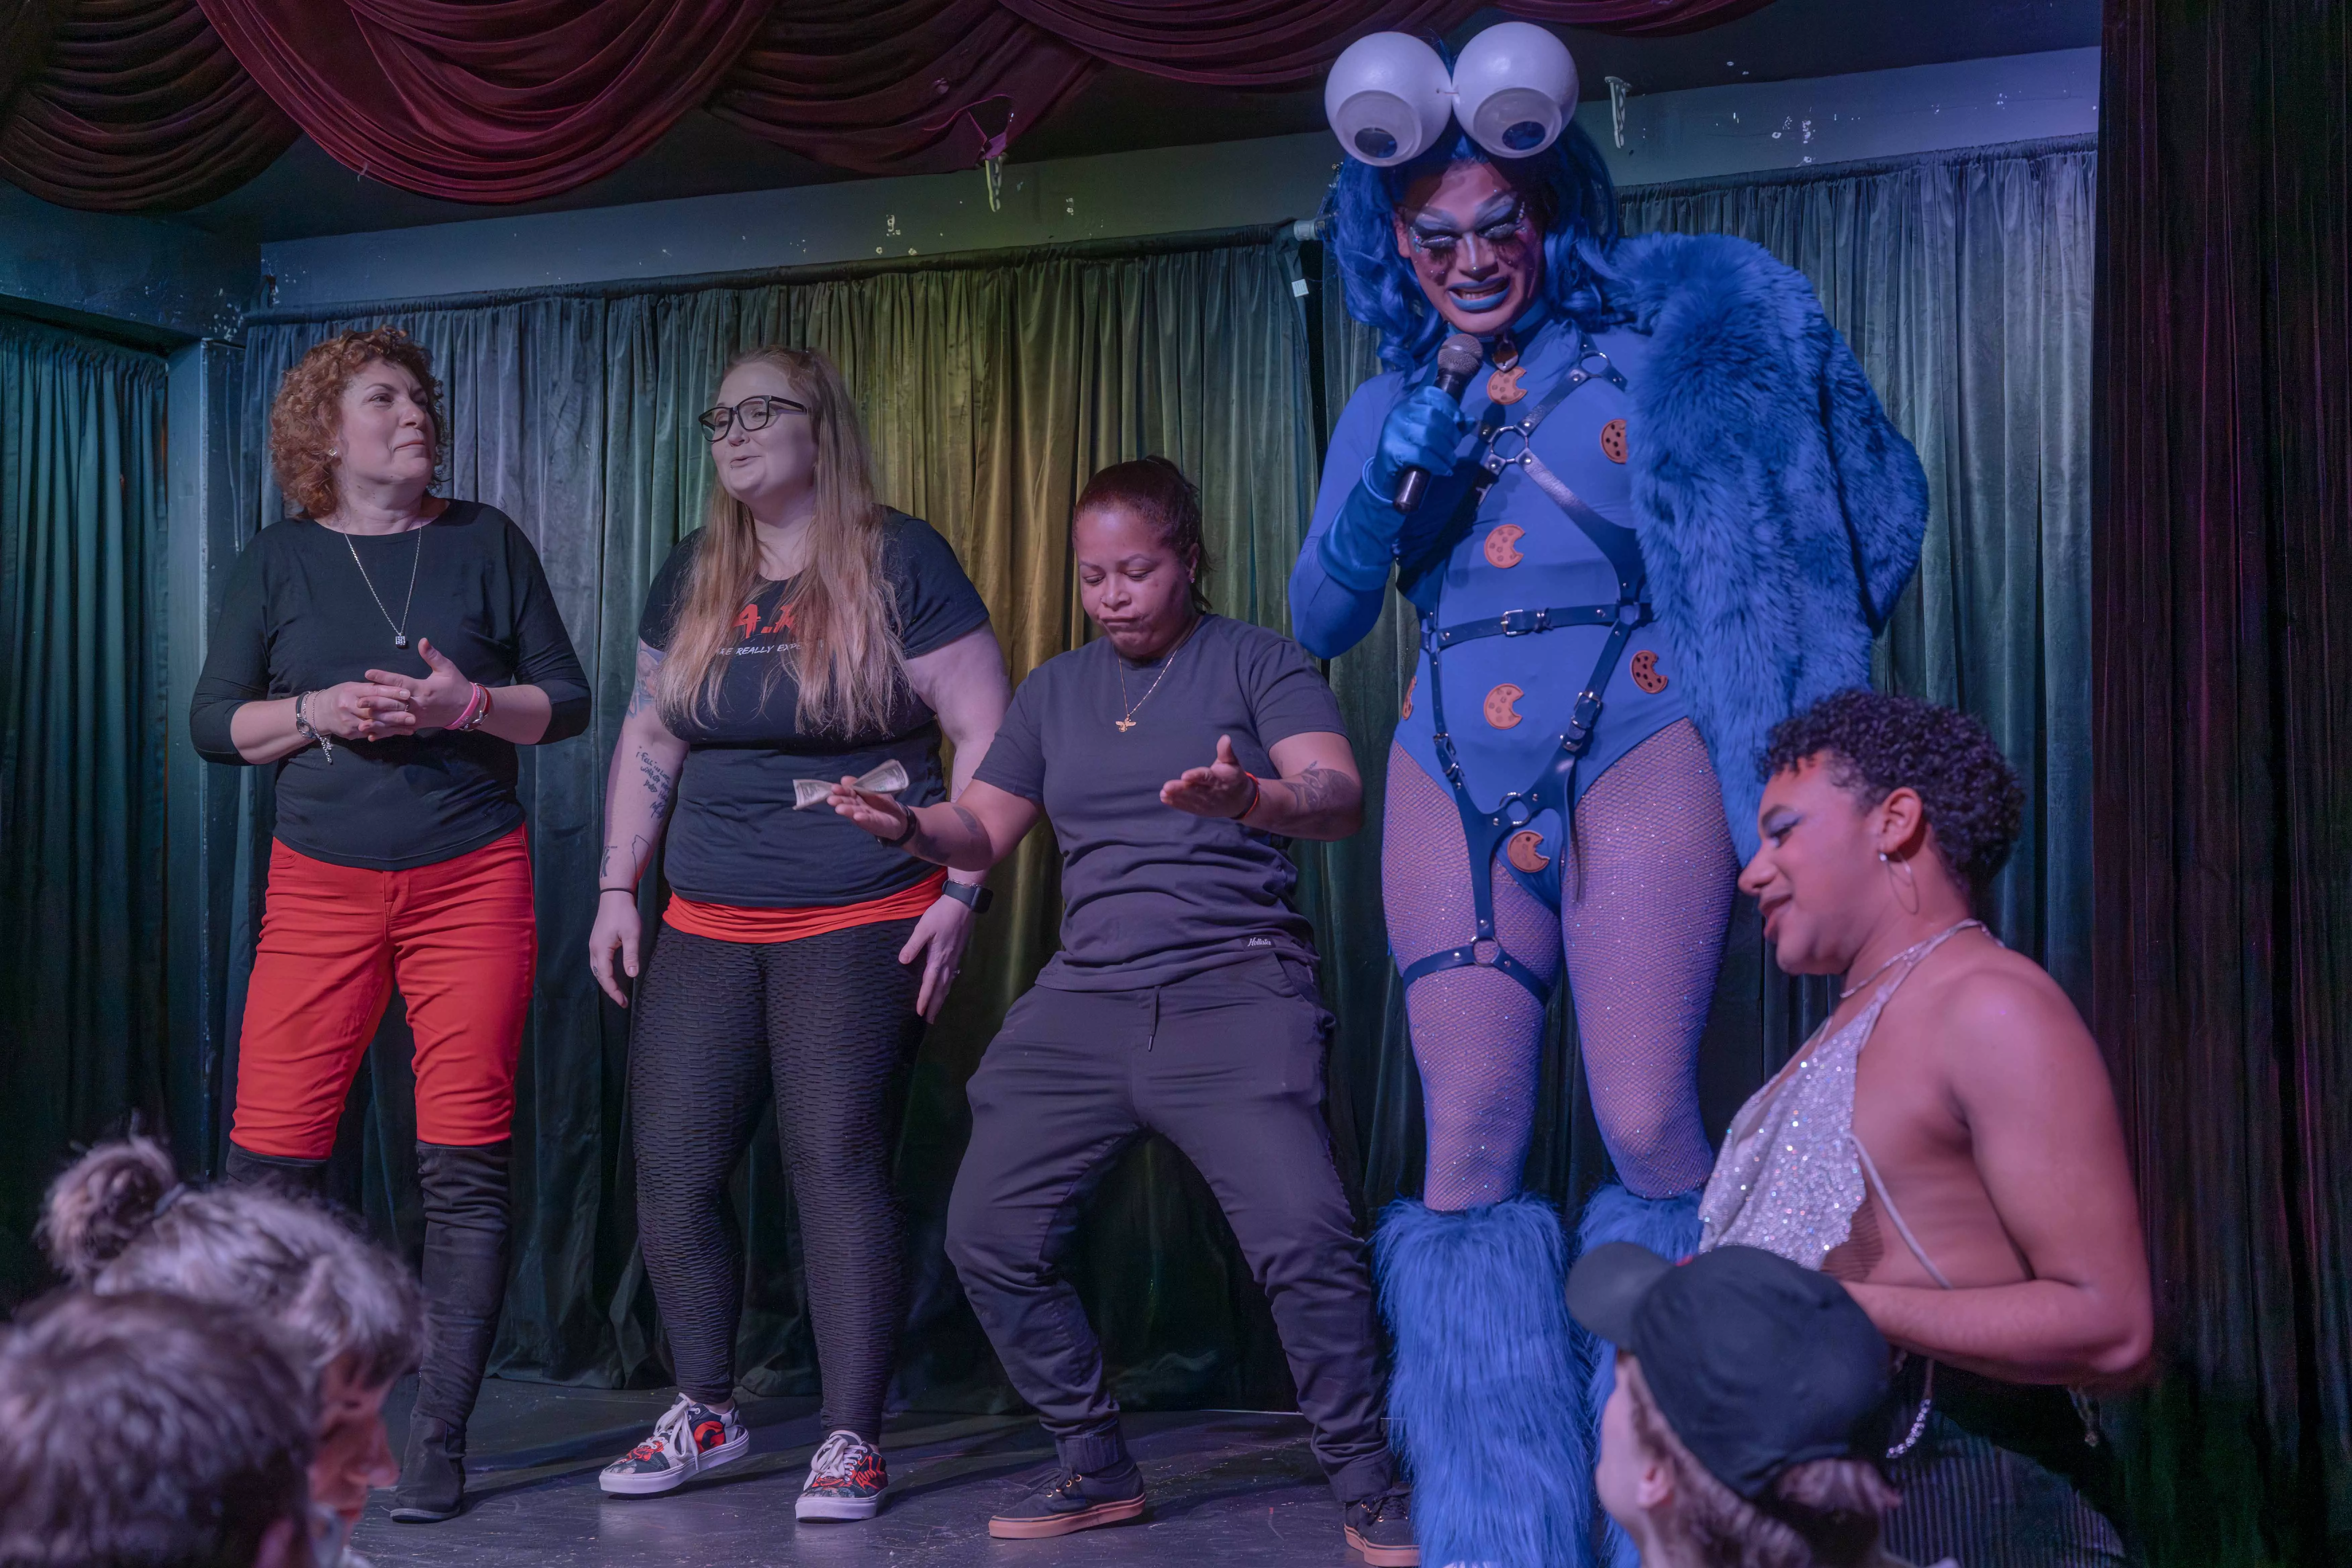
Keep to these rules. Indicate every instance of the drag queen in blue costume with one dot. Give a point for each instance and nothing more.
(1667, 511)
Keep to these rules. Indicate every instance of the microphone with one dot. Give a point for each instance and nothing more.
(1458, 359)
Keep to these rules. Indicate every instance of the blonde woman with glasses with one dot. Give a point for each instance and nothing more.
(804, 633)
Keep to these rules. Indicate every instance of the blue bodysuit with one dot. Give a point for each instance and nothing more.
(1521, 552)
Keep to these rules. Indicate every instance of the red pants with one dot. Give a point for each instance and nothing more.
(459, 939)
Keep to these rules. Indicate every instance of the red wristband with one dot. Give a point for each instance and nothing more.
(1255, 793)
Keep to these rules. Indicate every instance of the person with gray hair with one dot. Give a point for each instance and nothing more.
(119, 1221)
(190, 1425)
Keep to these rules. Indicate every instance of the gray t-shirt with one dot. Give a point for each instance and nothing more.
(1151, 894)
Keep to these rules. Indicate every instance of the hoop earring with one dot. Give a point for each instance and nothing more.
(1908, 875)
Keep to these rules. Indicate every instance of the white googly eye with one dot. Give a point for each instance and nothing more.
(1515, 88)
(1387, 98)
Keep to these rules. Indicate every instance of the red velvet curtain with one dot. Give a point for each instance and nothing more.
(170, 102)
(2221, 662)
(888, 86)
(137, 104)
(485, 100)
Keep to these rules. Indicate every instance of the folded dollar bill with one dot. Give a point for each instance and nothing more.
(887, 779)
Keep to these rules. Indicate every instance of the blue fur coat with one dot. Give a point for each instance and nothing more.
(1780, 513)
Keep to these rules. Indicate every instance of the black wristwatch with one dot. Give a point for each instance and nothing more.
(974, 894)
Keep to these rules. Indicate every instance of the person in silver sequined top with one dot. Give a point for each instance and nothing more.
(1947, 1144)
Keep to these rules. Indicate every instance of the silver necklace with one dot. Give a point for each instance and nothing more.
(399, 628)
(1128, 720)
(1851, 992)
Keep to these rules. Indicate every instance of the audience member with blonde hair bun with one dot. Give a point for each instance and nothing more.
(119, 1221)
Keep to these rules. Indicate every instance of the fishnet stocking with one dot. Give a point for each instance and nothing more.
(1648, 890)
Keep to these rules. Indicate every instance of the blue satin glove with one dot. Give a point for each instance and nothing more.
(1424, 431)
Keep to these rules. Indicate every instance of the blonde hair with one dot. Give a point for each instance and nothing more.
(118, 1221)
(1824, 1513)
(850, 663)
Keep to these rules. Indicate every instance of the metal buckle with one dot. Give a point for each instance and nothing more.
(1586, 714)
(1526, 623)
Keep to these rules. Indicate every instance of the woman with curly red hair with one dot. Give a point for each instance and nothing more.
(384, 650)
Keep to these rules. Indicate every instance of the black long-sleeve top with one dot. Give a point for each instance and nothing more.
(298, 616)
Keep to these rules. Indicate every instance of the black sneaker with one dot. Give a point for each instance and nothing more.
(1381, 1528)
(1066, 1502)
(688, 1439)
(846, 1479)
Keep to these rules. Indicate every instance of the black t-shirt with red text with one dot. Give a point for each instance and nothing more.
(734, 837)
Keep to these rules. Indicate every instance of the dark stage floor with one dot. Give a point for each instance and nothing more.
(1229, 1487)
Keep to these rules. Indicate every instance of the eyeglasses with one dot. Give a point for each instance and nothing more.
(1440, 247)
(752, 414)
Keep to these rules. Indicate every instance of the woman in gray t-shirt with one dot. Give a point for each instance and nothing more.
(1172, 755)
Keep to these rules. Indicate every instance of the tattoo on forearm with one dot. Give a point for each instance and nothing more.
(605, 861)
(659, 783)
(649, 660)
(920, 844)
(964, 814)
(1318, 789)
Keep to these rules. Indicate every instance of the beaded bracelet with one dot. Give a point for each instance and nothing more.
(308, 732)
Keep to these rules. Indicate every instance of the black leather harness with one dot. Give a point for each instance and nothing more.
(1554, 788)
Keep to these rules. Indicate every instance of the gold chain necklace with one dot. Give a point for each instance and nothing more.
(1127, 721)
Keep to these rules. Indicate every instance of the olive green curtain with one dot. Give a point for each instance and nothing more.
(990, 393)
(1963, 282)
(82, 758)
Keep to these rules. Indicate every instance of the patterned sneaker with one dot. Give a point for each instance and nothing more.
(1065, 1503)
(1381, 1528)
(687, 1440)
(845, 1480)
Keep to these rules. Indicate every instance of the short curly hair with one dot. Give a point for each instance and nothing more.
(306, 416)
(1877, 744)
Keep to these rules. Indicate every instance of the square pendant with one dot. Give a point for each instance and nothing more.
(400, 640)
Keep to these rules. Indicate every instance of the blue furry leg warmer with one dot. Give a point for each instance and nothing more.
(1487, 1395)
(1667, 1226)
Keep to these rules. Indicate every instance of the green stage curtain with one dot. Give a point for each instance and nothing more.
(82, 758)
(1963, 282)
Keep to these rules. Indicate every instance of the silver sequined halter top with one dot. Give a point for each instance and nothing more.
(1791, 1175)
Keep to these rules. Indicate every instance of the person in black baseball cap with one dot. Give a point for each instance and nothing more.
(1752, 1406)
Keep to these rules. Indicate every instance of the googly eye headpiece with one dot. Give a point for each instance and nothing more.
(1389, 95)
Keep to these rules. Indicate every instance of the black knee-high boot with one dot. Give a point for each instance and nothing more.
(301, 1178)
(464, 1281)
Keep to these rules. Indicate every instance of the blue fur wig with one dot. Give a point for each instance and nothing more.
(1486, 1395)
(1567, 191)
